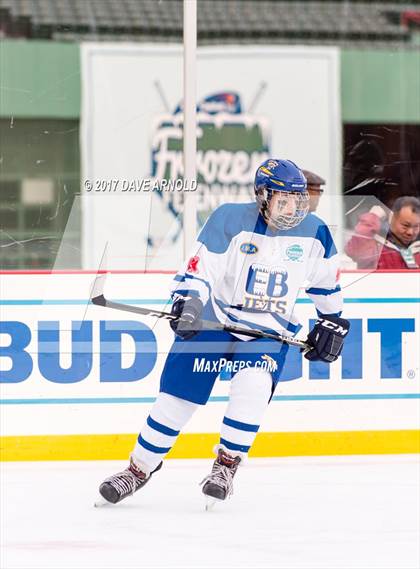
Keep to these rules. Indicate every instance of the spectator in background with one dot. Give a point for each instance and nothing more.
(314, 183)
(400, 249)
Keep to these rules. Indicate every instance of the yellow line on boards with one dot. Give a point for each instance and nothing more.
(200, 445)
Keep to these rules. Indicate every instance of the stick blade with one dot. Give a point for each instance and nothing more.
(97, 294)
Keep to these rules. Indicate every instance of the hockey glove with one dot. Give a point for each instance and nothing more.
(188, 312)
(327, 338)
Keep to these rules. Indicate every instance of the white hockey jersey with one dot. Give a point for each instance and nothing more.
(252, 274)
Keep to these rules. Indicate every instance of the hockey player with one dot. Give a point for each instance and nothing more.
(247, 266)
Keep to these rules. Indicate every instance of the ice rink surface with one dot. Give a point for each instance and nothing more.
(312, 512)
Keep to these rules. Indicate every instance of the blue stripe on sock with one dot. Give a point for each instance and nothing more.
(233, 446)
(241, 426)
(161, 428)
(323, 291)
(152, 448)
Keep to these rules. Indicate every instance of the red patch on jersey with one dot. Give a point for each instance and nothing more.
(337, 276)
(192, 264)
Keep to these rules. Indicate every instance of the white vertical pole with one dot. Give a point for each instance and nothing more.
(190, 119)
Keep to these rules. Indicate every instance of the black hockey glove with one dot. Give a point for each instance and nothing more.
(188, 312)
(327, 338)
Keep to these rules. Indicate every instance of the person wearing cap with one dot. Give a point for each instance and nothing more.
(314, 187)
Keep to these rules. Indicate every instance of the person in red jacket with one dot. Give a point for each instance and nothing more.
(400, 249)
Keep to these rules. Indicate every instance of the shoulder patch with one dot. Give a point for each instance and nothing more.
(248, 248)
(193, 264)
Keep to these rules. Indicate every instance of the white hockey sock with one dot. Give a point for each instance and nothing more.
(249, 396)
(167, 417)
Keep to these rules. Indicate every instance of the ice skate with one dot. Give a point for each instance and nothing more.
(218, 485)
(125, 483)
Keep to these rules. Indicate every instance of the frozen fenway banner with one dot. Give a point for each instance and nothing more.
(77, 380)
(251, 103)
(231, 146)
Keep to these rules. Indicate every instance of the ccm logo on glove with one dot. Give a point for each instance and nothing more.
(330, 325)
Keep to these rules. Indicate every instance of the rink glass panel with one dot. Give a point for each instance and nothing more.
(48, 94)
(64, 123)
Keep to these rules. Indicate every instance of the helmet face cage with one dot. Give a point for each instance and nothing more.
(278, 219)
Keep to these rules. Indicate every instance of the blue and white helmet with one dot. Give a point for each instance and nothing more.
(274, 176)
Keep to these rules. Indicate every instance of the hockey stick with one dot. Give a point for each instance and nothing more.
(98, 299)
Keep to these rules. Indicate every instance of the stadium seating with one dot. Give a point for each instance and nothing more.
(219, 21)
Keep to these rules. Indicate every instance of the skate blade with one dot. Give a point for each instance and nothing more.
(210, 503)
(100, 502)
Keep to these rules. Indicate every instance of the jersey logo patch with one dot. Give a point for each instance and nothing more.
(265, 287)
(294, 252)
(248, 248)
(193, 264)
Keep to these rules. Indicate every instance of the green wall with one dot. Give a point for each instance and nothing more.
(39, 79)
(42, 79)
(380, 86)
